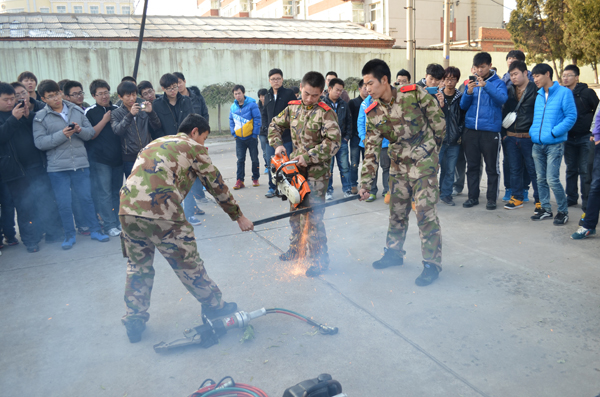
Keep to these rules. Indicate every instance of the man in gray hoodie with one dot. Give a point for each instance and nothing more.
(60, 129)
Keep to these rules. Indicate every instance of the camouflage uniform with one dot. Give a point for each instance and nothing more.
(415, 125)
(152, 217)
(316, 137)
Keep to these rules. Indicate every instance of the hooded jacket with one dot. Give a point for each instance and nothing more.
(63, 154)
(245, 120)
(198, 102)
(342, 110)
(484, 106)
(134, 131)
(172, 116)
(455, 119)
(586, 102)
(274, 106)
(553, 117)
(106, 147)
(17, 148)
(525, 114)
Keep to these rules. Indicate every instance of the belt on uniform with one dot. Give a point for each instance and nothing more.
(518, 134)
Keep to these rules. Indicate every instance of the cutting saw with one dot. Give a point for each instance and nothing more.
(290, 184)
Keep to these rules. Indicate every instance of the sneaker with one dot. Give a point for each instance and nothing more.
(428, 276)
(372, 197)
(11, 242)
(456, 192)
(354, 190)
(581, 219)
(538, 207)
(491, 205)
(212, 313)
(348, 194)
(114, 232)
(266, 170)
(68, 243)
(541, 215)
(390, 258)
(513, 204)
(134, 329)
(255, 183)
(33, 248)
(582, 233)
(103, 238)
(198, 211)
(470, 203)
(84, 231)
(387, 197)
(289, 255)
(329, 196)
(194, 221)
(270, 193)
(561, 219)
(571, 203)
(384, 193)
(447, 200)
(239, 185)
(525, 196)
(507, 195)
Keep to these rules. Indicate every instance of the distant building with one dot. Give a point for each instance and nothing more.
(122, 7)
(384, 16)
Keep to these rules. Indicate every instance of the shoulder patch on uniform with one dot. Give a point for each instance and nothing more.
(408, 88)
(371, 107)
(296, 102)
(282, 113)
(324, 106)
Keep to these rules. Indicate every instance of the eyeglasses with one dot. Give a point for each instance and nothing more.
(172, 88)
(148, 93)
(103, 94)
(275, 79)
(52, 97)
(24, 94)
(77, 94)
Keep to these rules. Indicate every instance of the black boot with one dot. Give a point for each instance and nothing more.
(290, 255)
(428, 276)
(321, 264)
(134, 329)
(212, 313)
(390, 258)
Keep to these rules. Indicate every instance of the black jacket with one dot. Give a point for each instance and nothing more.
(344, 116)
(134, 131)
(586, 101)
(354, 106)
(264, 128)
(172, 116)
(106, 147)
(455, 119)
(198, 102)
(525, 113)
(17, 148)
(275, 106)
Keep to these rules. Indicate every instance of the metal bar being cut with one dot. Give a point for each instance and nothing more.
(303, 210)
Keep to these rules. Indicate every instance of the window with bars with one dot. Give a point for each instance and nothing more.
(94, 10)
(358, 13)
(61, 9)
(125, 10)
(78, 9)
(110, 9)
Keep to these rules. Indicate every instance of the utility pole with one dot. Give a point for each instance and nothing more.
(410, 37)
(140, 41)
(447, 5)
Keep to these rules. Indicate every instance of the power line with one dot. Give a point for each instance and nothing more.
(500, 4)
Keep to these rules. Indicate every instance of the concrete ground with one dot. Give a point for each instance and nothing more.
(514, 312)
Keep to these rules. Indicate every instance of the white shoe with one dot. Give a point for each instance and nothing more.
(194, 221)
(328, 196)
(114, 232)
(348, 194)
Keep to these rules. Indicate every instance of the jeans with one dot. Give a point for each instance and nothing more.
(576, 158)
(477, 144)
(289, 148)
(448, 158)
(24, 201)
(106, 183)
(127, 168)
(79, 181)
(343, 165)
(356, 152)
(189, 202)
(241, 145)
(593, 204)
(588, 177)
(507, 173)
(7, 213)
(519, 151)
(461, 169)
(547, 160)
(384, 164)
(264, 143)
(47, 209)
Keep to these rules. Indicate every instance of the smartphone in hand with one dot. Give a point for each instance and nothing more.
(432, 90)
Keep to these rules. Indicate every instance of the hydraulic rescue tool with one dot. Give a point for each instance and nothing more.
(208, 334)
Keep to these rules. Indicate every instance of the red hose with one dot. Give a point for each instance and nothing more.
(229, 393)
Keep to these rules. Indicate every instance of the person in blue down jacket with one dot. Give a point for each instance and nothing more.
(245, 122)
(483, 100)
(554, 115)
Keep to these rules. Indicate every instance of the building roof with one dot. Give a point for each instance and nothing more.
(43, 26)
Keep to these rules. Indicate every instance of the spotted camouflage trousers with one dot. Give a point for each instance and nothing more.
(425, 193)
(316, 237)
(177, 243)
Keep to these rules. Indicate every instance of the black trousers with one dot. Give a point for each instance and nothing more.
(487, 144)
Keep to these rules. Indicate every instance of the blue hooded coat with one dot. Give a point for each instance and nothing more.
(484, 106)
(245, 120)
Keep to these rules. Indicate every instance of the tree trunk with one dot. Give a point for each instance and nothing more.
(595, 69)
(555, 69)
(219, 117)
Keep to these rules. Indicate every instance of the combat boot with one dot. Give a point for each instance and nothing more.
(290, 255)
(212, 313)
(321, 264)
(428, 276)
(134, 328)
(390, 258)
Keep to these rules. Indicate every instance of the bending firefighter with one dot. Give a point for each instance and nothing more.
(152, 217)
(316, 137)
(414, 124)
